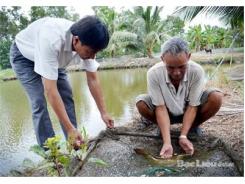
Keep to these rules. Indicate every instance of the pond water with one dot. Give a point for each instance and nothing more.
(120, 87)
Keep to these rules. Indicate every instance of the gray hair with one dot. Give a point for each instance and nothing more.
(174, 46)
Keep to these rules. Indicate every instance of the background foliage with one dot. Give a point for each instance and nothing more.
(139, 31)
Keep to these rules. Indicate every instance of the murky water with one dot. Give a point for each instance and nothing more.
(120, 87)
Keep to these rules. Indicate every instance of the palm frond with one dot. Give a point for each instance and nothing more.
(152, 38)
(123, 36)
(188, 13)
(122, 39)
(138, 10)
(233, 15)
(156, 14)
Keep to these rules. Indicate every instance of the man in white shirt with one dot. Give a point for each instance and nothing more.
(39, 55)
(176, 95)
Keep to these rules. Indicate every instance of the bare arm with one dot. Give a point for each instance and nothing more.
(56, 102)
(163, 121)
(188, 119)
(96, 91)
(58, 106)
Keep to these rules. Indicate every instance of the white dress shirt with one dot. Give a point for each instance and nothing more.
(48, 43)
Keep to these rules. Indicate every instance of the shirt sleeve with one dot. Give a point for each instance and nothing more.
(196, 88)
(154, 89)
(46, 54)
(90, 65)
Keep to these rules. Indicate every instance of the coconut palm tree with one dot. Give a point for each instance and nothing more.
(148, 26)
(120, 39)
(232, 15)
(140, 28)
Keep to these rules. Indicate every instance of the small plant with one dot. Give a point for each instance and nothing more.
(55, 159)
(58, 157)
(82, 151)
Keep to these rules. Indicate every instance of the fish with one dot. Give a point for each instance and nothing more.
(156, 160)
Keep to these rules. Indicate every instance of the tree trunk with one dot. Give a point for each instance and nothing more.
(149, 52)
(112, 54)
(197, 46)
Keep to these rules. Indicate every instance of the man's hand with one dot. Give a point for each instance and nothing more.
(166, 151)
(108, 120)
(186, 145)
(75, 138)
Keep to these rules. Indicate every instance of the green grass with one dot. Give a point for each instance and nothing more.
(6, 73)
(222, 81)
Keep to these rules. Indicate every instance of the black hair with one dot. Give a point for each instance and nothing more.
(91, 32)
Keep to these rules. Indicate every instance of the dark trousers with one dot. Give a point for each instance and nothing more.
(32, 83)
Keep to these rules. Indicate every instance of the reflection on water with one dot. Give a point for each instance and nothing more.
(120, 87)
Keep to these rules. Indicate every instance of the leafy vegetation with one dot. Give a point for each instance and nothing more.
(232, 16)
(58, 157)
(7, 73)
(211, 37)
(138, 31)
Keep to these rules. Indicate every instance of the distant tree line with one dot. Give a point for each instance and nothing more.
(139, 31)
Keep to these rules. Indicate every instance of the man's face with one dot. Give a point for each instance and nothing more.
(176, 65)
(84, 51)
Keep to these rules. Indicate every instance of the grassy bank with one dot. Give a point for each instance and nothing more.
(7, 73)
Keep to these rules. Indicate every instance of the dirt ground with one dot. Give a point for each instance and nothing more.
(226, 126)
(122, 160)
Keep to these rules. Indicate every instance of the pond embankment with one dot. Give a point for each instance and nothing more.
(127, 62)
